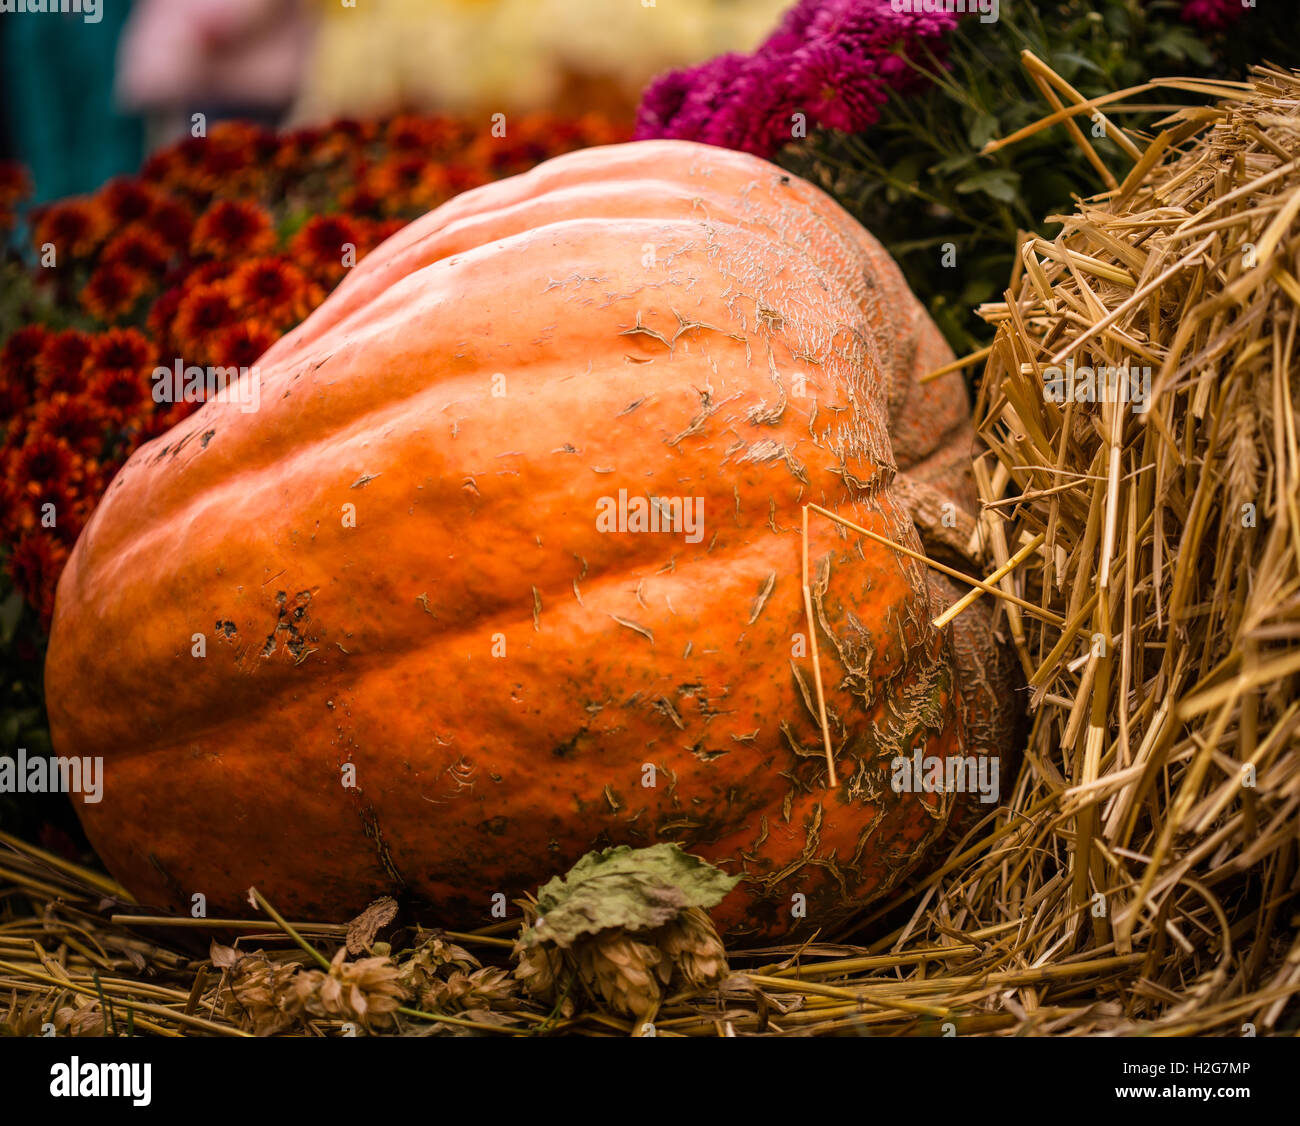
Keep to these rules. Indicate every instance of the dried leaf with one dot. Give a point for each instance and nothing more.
(635, 889)
(362, 929)
(223, 957)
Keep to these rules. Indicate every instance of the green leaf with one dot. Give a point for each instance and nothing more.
(983, 130)
(952, 164)
(1180, 43)
(1080, 62)
(1000, 183)
(634, 888)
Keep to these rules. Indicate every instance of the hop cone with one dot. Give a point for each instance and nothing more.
(623, 929)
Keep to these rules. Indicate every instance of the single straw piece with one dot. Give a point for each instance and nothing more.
(832, 780)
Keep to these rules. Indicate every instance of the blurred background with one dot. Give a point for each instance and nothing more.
(87, 99)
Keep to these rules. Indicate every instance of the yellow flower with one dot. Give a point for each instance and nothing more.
(505, 56)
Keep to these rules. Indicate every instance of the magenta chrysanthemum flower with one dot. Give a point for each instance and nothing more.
(837, 88)
(1213, 15)
(662, 103)
(759, 116)
(792, 32)
(831, 61)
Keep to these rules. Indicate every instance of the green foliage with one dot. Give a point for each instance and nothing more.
(918, 181)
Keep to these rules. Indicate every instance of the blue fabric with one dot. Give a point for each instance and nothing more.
(56, 74)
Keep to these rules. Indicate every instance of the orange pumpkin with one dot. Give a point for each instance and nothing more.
(387, 632)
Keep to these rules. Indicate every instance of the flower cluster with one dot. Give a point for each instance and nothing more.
(829, 64)
(1213, 15)
(217, 248)
(833, 61)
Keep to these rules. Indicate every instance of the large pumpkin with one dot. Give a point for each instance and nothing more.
(380, 635)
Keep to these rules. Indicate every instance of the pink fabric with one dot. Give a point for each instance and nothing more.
(180, 53)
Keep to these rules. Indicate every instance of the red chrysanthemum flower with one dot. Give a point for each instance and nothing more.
(242, 345)
(172, 222)
(211, 272)
(137, 248)
(320, 245)
(14, 397)
(18, 368)
(362, 200)
(517, 151)
(121, 393)
(19, 356)
(37, 562)
(70, 419)
(255, 142)
(449, 135)
(462, 177)
(162, 317)
(203, 311)
(160, 167)
(233, 159)
(121, 349)
(395, 175)
(61, 365)
(42, 462)
(407, 183)
(76, 510)
(126, 200)
(113, 291)
(232, 228)
(163, 417)
(301, 148)
(413, 135)
(74, 228)
(177, 166)
(359, 132)
(271, 287)
(228, 166)
(383, 230)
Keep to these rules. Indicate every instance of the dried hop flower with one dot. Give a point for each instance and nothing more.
(627, 927)
(368, 991)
